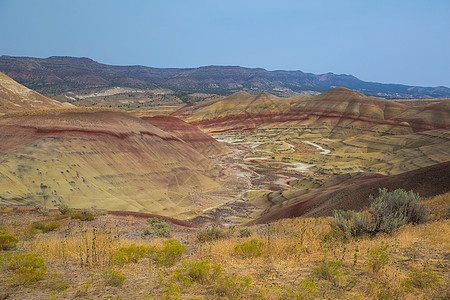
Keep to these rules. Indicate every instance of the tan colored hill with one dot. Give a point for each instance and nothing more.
(338, 107)
(358, 139)
(100, 158)
(16, 97)
(199, 140)
(357, 132)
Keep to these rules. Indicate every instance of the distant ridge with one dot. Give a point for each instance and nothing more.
(57, 75)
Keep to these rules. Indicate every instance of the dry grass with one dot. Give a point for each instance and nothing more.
(439, 206)
(292, 249)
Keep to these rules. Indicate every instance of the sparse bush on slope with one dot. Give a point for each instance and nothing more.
(391, 210)
(7, 241)
(387, 213)
(249, 249)
(211, 234)
(170, 253)
(27, 268)
(160, 227)
(198, 271)
(45, 227)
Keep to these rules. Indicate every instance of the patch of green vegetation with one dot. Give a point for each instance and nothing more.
(170, 253)
(160, 227)
(249, 249)
(64, 209)
(304, 290)
(113, 277)
(198, 271)
(45, 227)
(387, 213)
(82, 216)
(211, 234)
(7, 241)
(57, 283)
(329, 270)
(131, 253)
(422, 278)
(378, 258)
(27, 268)
(245, 232)
(232, 287)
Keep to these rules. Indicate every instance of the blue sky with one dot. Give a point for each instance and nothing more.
(401, 41)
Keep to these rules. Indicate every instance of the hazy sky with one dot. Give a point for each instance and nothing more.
(393, 41)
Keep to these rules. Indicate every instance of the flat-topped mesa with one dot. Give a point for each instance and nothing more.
(16, 97)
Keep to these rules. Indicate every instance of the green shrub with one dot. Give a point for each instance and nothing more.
(119, 258)
(382, 290)
(131, 253)
(198, 271)
(171, 291)
(45, 227)
(211, 234)
(329, 270)
(245, 232)
(305, 290)
(351, 223)
(170, 253)
(391, 210)
(377, 258)
(249, 249)
(27, 268)
(388, 212)
(64, 209)
(422, 278)
(8, 241)
(82, 216)
(232, 287)
(160, 227)
(56, 283)
(113, 277)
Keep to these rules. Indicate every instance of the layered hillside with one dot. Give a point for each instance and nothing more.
(69, 77)
(361, 144)
(351, 193)
(16, 97)
(332, 110)
(100, 158)
(193, 136)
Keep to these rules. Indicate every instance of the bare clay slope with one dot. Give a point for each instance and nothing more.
(16, 97)
(105, 159)
(199, 140)
(336, 108)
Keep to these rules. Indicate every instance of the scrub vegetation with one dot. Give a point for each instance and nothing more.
(300, 258)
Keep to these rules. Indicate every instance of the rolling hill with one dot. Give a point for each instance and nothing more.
(196, 138)
(101, 158)
(16, 97)
(364, 143)
(337, 110)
